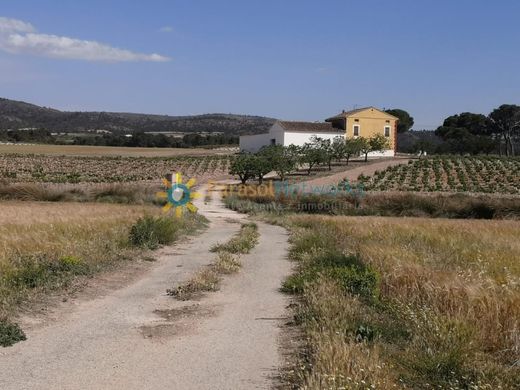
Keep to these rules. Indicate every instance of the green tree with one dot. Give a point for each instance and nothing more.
(339, 149)
(313, 154)
(282, 159)
(506, 124)
(262, 166)
(476, 124)
(328, 150)
(466, 133)
(378, 143)
(353, 147)
(422, 146)
(405, 120)
(364, 146)
(244, 166)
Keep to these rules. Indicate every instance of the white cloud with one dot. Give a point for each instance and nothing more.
(13, 25)
(166, 29)
(19, 37)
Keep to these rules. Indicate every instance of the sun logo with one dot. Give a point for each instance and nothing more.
(178, 195)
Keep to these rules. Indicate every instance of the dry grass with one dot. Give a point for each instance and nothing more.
(227, 262)
(81, 150)
(395, 204)
(477, 247)
(242, 243)
(447, 314)
(205, 280)
(43, 245)
(28, 227)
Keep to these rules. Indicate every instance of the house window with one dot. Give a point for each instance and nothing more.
(387, 131)
(356, 130)
(273, 141)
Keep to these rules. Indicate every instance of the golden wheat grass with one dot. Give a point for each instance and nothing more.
(447, 313)
(44, 245)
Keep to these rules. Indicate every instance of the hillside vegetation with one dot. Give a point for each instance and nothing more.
(17, 115)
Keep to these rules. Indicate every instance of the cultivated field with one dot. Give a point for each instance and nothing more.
(406, 303)
(81, 150)
(451, 174)
(69, 169)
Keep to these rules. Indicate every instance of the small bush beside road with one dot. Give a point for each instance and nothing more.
(10, 333)
(150, 232)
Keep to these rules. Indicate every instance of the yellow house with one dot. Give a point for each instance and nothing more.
(367, 122)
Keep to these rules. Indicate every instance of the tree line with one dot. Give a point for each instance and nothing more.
(469, 133)
(318, 152)
(157, 140)
(42, 136)
(476, 133)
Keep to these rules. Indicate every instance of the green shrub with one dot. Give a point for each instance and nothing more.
(295, 283)
(336, 259)
(10, 333)
(150, 232)
(477, 210)
(348, 270)
(40, 270)
(71, 263)
(309, 242)
(357, 281)
(438, 352)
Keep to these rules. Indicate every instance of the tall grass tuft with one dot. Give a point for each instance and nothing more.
(432, 303)
(150, 232)
(226, 262)
(242, 243)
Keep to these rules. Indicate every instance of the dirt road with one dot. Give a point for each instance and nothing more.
(137, 337)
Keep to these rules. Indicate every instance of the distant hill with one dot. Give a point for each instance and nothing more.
(20, 115)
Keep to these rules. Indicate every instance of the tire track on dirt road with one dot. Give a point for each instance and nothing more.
(137, 337)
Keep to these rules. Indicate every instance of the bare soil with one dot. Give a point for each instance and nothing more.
(85, 150)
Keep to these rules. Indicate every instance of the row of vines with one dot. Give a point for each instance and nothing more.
(66, 169)
(451, 174)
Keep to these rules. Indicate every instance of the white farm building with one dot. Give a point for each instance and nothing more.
(362, 122)
(289, 133)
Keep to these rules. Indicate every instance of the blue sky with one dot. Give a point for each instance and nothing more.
(289, 59)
